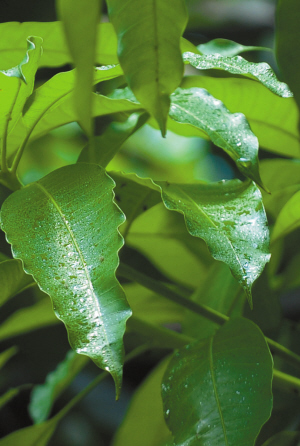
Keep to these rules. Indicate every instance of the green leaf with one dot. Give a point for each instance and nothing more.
(287, 46)
(149, 50)
(16, 84)
(219, 392)
(284, 439)
(237, 65)
(13, 279)
(37, 435)
(64, 113)
(231, 132)
(6, 355)
(28, 319)
(144, 422)
(43, 396)
(229, 216)
(227, 48)
(47, 224)
(273, 120)
(56, 52)
(58, 89)
(288, 219)
(110, 141)
(80, 20)
(231, 219)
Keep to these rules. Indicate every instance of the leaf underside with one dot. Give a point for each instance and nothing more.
(47, 224)
(149, 49)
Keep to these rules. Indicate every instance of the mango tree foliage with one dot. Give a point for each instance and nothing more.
(218, 391)
(273, 120)
(149, 49)
(80, 20)
(56, 52)
(228, 216)
(198, 108)
(237, 65)
(16, 85)
(226, 48)
(77, 273)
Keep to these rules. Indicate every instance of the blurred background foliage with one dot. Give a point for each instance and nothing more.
(175, 158)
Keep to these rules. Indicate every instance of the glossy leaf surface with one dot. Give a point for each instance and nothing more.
(237, 65)
(44, 395)
(149, 49)
(13, 279)
(231, 219)
(273, 120)
(288, 219)
(80, 20)
(226, 48)
(287, 43)
(56, 52)
(77, 272)
(218, 392)
(229, 216)
(231, 132)
(16, 85)
(144, 422)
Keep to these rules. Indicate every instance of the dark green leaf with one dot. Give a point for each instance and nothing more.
(284, 439)
(231, 132)
(144, 422)
(218, 392)
(43, 396)
(28, 319)
(80, 20)
(109, 142)
(13, 279)
(274, 120)
(237, 65)
(149, 49)
(287, 43)
(227, 48)
(78, 272)
(56, 52)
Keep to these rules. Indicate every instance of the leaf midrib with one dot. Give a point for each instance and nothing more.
(51, 198)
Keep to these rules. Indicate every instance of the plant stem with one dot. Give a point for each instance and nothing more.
(286, 382)
(176, 296)
(160, 337)
(207, 312)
